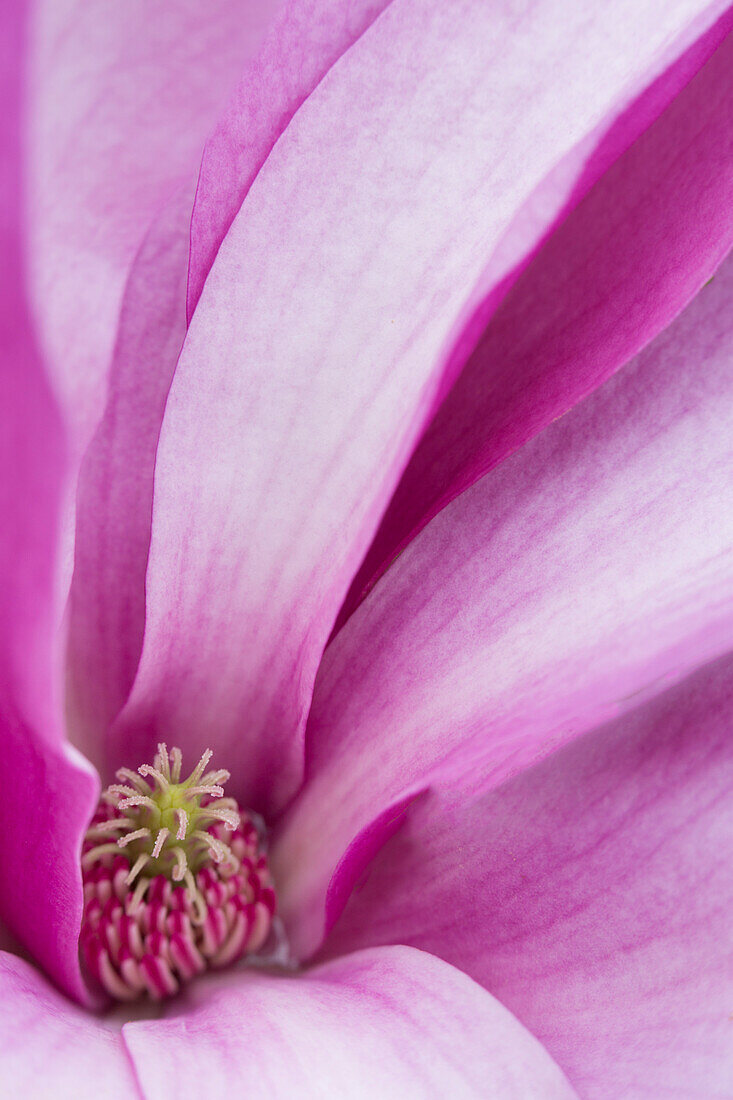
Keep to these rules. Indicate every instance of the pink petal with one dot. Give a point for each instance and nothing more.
(51, 1048)
(47, 794)
(319, 344)
(124, 96)
(593, 565)
(106, 614)
(387, 1023)
(592, 895)
(107, 610)
(619, 269)
(304, 42)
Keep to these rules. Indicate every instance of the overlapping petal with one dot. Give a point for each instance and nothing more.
(319, 344)
(390, 1023)
(47, 794)
(107, 605)
(324, 339)
(106, 611)
(50, 1047)
(623, 264)
(305, 41)
(592, 566)
(591, 895)
(123, 98)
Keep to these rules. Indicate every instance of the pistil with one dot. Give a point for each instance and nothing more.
(175, 880)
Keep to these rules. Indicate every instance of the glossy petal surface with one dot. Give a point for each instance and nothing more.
(630, 256)
(389, 1023)
(590, 895)
(106, 613)
(306, 40)
(123, 98)
(319, 344)
(592, 566)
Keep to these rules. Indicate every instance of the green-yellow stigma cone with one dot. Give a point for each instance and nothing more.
(175, 879)
(165, 821)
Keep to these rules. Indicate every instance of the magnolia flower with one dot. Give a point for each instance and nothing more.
(365, 372)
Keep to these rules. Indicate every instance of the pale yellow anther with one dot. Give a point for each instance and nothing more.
(160, 779)
(126, 792)
(159, 841)
(229, 818)
(114, 825)
(200, 768)
(93, 854)
(181, 864)
(182, 819)
(221, 775)
(196, 899)
(176, 764)
(138, 834)
(133, 779)
(192, 792)
(137, 896)
(219, 851)
(161, 760)
(139, 800)
(140, 862)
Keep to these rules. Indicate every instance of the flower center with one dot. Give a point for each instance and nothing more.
(175, 880)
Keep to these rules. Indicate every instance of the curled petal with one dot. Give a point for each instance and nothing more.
(614, 274)
(591, 568)
(319, 344)
(590, 894)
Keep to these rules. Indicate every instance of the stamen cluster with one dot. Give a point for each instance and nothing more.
(175, 880)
